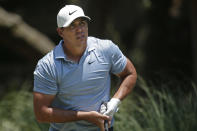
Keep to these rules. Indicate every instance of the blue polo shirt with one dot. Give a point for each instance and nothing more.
(79, 86)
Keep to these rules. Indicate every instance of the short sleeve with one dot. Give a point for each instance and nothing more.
(44, 79)
(118, 60)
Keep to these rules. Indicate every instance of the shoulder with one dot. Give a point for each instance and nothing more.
(102, 44)
(46, 63)
(47, 59)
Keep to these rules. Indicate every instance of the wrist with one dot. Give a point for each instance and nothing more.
(115, 101)
(82, 115)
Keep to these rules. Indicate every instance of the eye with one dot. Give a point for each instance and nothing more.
(82, 23)
(72, 26)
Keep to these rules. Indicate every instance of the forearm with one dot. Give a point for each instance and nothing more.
(62, 116)
(48, 115)
(128, 79)
(126, 86)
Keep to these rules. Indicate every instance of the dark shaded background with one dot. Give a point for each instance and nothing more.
(159, 36)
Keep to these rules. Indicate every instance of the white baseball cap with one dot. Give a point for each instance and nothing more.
(69, 13)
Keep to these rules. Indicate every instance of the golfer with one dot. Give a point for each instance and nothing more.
(73, 80)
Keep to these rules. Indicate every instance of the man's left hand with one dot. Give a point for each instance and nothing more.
(112, 107)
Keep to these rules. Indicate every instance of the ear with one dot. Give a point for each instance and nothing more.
(59, 31)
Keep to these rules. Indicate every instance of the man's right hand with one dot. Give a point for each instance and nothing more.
(95, 118)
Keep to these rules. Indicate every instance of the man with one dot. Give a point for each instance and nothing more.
(73, 80)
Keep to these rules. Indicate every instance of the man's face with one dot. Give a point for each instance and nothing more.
(76, 33)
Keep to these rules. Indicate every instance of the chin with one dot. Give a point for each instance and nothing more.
(83, 41)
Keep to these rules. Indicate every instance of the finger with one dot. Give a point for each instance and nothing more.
(105, 117)
(102, 110)
(102, 127)
(108, 112)
(109, 123)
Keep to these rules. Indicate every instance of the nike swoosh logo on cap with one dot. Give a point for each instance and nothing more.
(70, 13)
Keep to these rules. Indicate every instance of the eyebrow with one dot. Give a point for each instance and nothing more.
(82, 20)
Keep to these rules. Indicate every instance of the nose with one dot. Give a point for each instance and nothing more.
(79, 28)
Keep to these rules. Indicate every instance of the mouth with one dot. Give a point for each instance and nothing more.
(80, 36)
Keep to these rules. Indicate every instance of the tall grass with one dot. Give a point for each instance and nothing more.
(16, 111)
(146, 109)
(158, 110)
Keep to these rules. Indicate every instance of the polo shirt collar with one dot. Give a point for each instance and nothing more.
(59, 52)
(90, 44)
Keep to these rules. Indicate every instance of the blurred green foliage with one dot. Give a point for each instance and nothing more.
(146, 109)
(156, 109)
(16, 111)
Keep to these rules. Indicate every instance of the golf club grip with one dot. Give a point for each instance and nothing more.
(106, 125)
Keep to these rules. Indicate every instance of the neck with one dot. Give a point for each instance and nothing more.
(73, 53)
